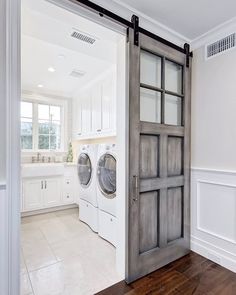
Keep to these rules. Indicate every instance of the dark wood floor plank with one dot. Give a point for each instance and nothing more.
(120, 288)
(190, 275)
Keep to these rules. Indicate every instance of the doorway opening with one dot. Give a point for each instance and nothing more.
(73, 152)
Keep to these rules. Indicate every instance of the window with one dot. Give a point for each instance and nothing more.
(26, 125)
(41, 126)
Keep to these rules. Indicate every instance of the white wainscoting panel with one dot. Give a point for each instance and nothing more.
(3, 242)
(213, 215)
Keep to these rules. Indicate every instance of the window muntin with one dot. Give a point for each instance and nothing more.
(49, 127)
(161, 90)
(26, 125)
(41, 126)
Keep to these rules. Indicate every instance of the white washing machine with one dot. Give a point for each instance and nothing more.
(106, 191)
(87, 201)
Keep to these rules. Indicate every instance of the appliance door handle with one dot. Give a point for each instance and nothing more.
(41, 184)
(135, 188)
(45, 184)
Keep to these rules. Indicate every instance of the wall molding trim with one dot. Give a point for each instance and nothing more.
(213, 210)
(213, 253)
(126, 11)
(216, 33)
(213, 170)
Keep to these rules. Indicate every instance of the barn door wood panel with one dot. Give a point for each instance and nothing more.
(159, 156)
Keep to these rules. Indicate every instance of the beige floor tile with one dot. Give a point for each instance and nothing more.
(31, 234)
(65, 229)
(69, 212)
(23, 268)
(38, 254)
(67, 277)
(65, 257)
(26, 288)
(83, 243)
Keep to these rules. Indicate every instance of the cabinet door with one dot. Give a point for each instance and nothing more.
(106, 104)
(86, 113)
(77, 118)
(96, 109)
(52, 192)
(32, 194)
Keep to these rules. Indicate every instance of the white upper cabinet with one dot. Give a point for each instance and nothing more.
(96, 109)
(107, 94)
(77, 118)
(86, 113)
(94, 113)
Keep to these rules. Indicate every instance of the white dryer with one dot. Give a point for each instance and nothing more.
(87, 201)
(106, 191)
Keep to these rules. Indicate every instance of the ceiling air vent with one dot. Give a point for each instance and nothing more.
(220, 46)
(83, 36)
(77, 73)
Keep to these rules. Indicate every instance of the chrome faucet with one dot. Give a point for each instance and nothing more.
(38, 157)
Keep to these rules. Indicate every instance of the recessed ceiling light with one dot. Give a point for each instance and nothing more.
(51, 69)
(40, 85)
(61, 56)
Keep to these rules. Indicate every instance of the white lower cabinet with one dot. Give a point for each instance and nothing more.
(52, 192)
(68, 192)
(41, 193)
(32, 194)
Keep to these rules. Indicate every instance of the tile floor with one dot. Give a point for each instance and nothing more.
(62, 256)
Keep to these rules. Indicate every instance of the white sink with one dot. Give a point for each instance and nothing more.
(42, 169)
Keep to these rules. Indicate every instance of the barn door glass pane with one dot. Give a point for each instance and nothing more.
(173, 110)
(150, 69)
(173, 77)
(150, 105)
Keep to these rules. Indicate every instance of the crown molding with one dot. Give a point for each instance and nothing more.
(214, 34)
(126, 11)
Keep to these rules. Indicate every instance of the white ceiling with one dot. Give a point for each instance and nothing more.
(190, 18)
(46, 31)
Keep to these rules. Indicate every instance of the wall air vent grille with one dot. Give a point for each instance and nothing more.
(83, 37)
(77, 73)
(220, 46)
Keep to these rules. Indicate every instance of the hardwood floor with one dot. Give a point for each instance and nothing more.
(192, 274)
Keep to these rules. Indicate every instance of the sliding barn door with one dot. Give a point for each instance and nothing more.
(159, 156)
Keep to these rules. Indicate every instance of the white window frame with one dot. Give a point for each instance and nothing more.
(63, 104)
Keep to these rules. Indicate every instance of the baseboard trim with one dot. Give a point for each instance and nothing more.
(48, 210)
(213, 253)
(215, 171)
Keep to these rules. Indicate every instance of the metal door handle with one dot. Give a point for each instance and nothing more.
(45, 186)
(41, 184)
(136, 188)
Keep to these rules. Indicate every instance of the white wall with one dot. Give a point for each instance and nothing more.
(214, 111)
(213, 157)
(2, 98)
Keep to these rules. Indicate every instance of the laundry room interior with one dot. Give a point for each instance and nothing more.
(73, 149)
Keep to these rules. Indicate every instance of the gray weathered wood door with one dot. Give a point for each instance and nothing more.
(159, 156)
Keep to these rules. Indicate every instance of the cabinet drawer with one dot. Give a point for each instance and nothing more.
(68, 197)
(68, 184)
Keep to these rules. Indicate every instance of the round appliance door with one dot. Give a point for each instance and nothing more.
(84, 169)
(106, 174)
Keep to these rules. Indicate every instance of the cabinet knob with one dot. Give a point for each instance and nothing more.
(68, 197)
(79, 133)
(99, 130)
